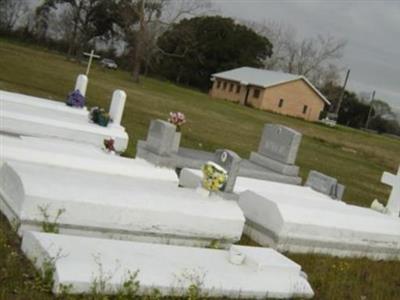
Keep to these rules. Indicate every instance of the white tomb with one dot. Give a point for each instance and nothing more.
(81, 131)
(264, 273)
(80, 156)
(300, 219)
(393, 205)
(119, 207)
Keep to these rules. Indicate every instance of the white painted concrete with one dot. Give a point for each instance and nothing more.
(41, 107)
(117, 106)
(81, 84)
(117, 207)
(393, 204)
(299, 219)
(78, 130)
(79, 156)
(171, 269)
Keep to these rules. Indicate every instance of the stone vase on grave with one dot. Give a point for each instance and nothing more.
(176, 142)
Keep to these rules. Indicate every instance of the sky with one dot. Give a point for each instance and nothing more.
(371, 28)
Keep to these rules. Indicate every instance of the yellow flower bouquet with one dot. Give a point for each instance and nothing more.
(214, 177)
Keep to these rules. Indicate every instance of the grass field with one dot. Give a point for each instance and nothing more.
(355, 157)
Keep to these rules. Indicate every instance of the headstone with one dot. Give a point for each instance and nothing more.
(117, 106)
(393, 205)
(280, 143)
(160, 137)
(230, 161)
(325, 184)
(81, 84)
(171, 269)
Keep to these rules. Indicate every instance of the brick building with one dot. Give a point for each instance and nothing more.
(282, 93)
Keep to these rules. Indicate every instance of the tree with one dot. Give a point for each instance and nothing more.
(312, 57)
(10, 12)
(143, 21)
(200, 46)
(84, 20)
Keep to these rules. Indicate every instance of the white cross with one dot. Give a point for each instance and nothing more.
(393, 205)
(91, 56)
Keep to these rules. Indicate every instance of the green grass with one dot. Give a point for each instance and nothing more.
(355, 157)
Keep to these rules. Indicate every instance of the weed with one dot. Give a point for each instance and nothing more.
(48, 225)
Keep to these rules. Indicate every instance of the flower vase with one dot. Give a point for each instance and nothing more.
(176, 142)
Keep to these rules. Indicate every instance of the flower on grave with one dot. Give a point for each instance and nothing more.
(177, 118)
(214, 177)
(109, 144)
(99, 116)
(76, 99)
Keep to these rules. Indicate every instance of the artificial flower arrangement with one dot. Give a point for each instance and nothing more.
(99, 116)
(178, 119)
(109, 145)
(76, 99)
(214, 177)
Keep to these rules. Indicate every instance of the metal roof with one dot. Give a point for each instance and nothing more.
(263, 78)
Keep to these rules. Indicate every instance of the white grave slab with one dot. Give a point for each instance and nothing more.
(118, 207)
(264, 273)
(41, 107)
(80, 156)
(81, 131)
(300, 219)
(393, 205)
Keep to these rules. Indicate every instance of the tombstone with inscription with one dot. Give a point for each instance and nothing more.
(325, 184)
(274, 160)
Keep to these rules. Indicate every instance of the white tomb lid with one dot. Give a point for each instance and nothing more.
(119, 206)
(167, 268)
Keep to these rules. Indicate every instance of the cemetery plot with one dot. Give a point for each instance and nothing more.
(299, 219)
(170, 269)
(95, 204)
(41, 107)
(79, 156)
(79, 131)
(274, 160)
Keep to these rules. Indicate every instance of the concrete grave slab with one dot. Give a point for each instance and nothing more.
(158, 150)
(119, 207)
(79, 156)
(264, 273)
(78, 130)
(300, 219)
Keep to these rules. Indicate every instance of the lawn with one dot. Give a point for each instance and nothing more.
(355, 157)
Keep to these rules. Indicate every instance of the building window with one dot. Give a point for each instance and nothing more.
(238, 89)
(256, 93)
(218, 84)
(305, 109)
(224, 85)
(280, 103)
(231, 87)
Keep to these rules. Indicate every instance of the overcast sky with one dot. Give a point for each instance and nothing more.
(372, 29)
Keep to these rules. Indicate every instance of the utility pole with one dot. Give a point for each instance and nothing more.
(370, 109)
(339, 104)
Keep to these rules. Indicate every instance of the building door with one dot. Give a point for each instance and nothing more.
(247, 96)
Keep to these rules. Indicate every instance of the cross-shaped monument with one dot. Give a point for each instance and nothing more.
(393, 205)
(91, 56)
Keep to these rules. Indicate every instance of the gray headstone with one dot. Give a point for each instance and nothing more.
(230, 161)
(280, 143)
(160, 137)
(325, 184)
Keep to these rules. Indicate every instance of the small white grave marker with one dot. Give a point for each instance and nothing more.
(393, 205)
(81, 84)
(117, 106)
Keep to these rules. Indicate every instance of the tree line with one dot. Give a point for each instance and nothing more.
(185, 41)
